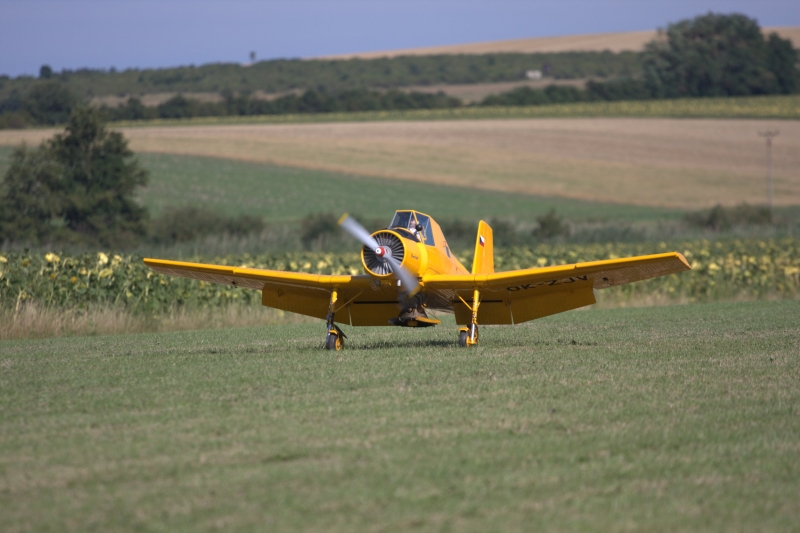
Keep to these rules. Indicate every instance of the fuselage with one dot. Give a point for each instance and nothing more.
(416, 241)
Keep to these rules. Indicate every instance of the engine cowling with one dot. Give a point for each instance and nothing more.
(405, 251)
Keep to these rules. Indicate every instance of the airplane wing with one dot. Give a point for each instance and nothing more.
(521, 295)
(362, 300)
(506, 297)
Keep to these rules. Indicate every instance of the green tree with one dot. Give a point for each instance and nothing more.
(781, 61)
(319, 228)
(78, 185)
(29, 197)
(713, 55)
(177, 107)
(49, 102)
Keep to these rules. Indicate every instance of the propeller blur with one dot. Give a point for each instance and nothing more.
(409, 281)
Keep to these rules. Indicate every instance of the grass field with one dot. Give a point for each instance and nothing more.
(662, 419)
(280, 193)
(650, 162)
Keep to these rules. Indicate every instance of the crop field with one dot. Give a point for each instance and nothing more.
(597, 42)
(654, 162)
(66, 291)
(279, 193)
(683, 163)
(784, 107)
(662, 419)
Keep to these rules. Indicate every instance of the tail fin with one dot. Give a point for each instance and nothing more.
(483, 261)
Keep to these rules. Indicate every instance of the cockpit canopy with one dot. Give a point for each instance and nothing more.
(408, 222)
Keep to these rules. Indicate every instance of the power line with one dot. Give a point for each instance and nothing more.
(769, 135)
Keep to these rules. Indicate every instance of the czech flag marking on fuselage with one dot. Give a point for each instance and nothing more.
(481, 240)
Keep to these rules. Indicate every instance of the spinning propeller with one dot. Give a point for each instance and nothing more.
(383, 253)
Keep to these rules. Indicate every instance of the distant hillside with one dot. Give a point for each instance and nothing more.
(607, 67)
(632, 41)
(283, 75)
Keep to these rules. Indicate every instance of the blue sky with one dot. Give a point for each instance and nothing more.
(148, 33)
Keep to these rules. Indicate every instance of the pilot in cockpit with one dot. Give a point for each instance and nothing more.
(408, 222)
(416, 229)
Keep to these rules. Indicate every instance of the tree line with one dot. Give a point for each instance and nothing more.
(284, 75)
(710, 55)
(311, 101)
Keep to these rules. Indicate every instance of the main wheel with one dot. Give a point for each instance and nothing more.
(334, 342)
(462, 339)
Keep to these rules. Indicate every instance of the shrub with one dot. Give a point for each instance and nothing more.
(719, 218)
(550, 226)
(184, 224)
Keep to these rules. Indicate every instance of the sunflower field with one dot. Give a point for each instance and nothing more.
(730, 269)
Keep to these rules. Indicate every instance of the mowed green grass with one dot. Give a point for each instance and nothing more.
(281, 194)
(681, 418)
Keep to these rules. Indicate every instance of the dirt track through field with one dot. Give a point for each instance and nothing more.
(658, 162)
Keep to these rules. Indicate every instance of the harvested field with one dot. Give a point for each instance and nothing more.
(475, 92)
(156, 99)
(596, 42)
(153, 99)
(683, 163)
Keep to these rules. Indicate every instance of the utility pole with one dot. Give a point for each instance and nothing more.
(769, 135)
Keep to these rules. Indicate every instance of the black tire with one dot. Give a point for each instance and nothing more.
(334, 342)
(462, 339)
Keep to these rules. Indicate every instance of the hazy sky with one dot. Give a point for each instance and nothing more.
(156, 33)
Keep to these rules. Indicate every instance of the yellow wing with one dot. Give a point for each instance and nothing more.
(506, 297)
(522, 295)
(362, 301)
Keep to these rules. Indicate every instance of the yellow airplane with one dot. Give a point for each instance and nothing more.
(410, 271)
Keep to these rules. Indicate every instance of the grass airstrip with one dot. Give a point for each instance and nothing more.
(680, 418)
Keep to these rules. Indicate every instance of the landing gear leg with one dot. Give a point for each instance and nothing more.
(334, 339)
(468, 336)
